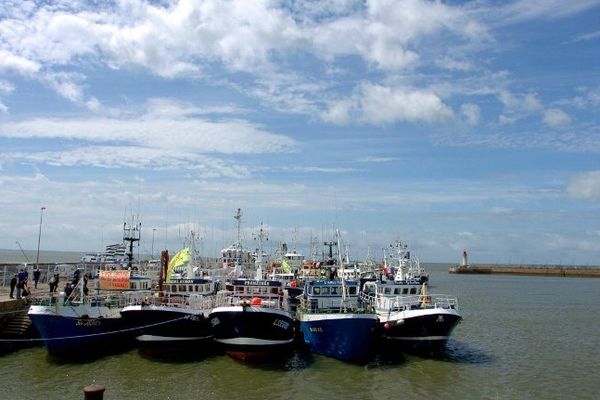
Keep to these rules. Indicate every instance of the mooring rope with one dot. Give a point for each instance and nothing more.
(94, 334)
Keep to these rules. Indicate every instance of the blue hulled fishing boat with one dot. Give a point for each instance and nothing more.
(332, 318)
(334, 326)
(77, 325)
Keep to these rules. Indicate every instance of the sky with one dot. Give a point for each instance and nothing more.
(448, 125)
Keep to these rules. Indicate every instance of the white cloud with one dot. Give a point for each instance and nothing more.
(587, 36)
(6, 87)
(374, 159)
(525, 10)
(555, 117)
(135, 158)
(9, 61)
(183, 38)
(173, 130)
(471, 113)
(376, 104)
(520, 103)
(453, 64)
(585, 186)
(3, 108)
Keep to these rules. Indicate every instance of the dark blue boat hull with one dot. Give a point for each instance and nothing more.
(339, 335)
(251, 332)
(84, 337)
(425, 333)
(170, 332)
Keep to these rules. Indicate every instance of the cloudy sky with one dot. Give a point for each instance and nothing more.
(450, 125)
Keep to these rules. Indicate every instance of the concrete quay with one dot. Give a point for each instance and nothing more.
(532, 270)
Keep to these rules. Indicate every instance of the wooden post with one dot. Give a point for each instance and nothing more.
(93, 392)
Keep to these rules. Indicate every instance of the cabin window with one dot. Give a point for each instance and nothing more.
(413, 290)
(325, 291)
(317, 290)
(239, 289)
(396, 290)
(404, 290)
(190, 288)
(274, 290)
(182, 288)
(352, 290)
(334, 290)
(386, 290)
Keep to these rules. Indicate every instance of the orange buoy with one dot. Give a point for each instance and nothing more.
(256, 301)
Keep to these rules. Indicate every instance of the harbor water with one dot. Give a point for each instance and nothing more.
(522, 337)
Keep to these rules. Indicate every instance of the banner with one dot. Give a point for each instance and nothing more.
(181, 259)
(285, 267)
(114, 280)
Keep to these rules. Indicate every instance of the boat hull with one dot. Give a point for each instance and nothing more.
(80, 334)
(250, 332)
(419, 330)
(170, 331)
(348, 337)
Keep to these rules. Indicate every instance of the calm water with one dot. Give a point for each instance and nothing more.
(521, 338)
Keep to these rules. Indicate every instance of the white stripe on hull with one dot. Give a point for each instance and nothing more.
(156, 338)
(252, 341)
(417, 337)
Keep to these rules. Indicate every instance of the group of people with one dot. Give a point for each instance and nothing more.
(20, 282)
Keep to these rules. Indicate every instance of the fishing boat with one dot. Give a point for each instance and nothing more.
(235, 257)
(408, 265)
(174, 323)
(83, 322)
(409, 317)
(333, 320)
(251, 319)
(174, 319)
(76, 324)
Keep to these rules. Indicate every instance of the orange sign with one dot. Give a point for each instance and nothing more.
(118, 280)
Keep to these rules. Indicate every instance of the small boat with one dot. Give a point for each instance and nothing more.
(333, 320)
(410, 318)
(251, 319)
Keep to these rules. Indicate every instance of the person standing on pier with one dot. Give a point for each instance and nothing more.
(21, 277)
(36, 276)
(53, 283)
(13, 284)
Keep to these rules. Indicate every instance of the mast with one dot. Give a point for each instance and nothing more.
(131, 235)
(238, 218)
(339, 256)
(261, 236)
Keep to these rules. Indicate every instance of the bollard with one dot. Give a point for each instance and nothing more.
(93, 392)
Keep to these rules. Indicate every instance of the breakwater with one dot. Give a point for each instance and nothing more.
(537, 270)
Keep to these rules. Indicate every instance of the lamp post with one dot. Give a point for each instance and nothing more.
(37, 257)
(152, 251)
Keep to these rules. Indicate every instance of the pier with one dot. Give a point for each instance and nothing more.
(531, 269)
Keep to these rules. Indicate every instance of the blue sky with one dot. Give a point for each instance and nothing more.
(450, 125)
